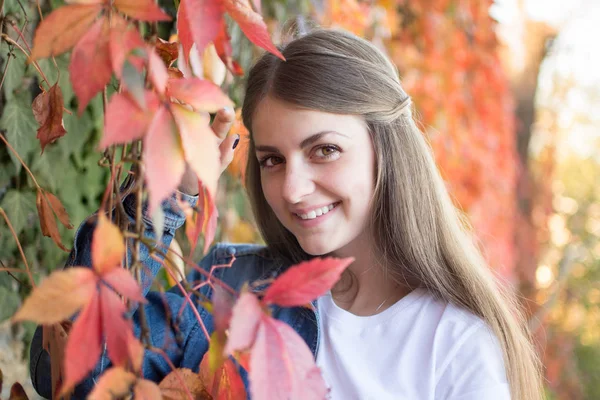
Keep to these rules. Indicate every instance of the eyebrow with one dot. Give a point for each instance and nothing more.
(305, 143)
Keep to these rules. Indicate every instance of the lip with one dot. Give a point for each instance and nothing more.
(307, 209)
(309, 223)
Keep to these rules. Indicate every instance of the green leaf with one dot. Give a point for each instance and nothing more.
(21, 127)
(15, 72)
(78, 132)
(7, 171)
(49, 168)
(10, 303)
(20, 208)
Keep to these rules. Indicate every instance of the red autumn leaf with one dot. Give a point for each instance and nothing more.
(60, 30)
(205, 221)
(91, 53)
(225, 383)
(201, 94)
(58, 297)
(282, 366)
(252, 24)
(184, 32)
(198, 20)
(48, 112)
(163, 155)
(108, 246)
(172, 388)
(222, 303)
(124, 39)
(123, 283)
(146, 390)
(157, 71)
(245, 318)
(17, 392)
(302, 283)
(54, 339)
(84, 344)
(201, 150)
(144, 10)
(103, 316)
(225, 52)
(116, 328)
(47, 219)
(167, 51)
(125, 121)
(59, 210)
(113, 383)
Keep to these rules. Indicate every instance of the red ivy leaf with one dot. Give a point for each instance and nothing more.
(225, 383)
(146, 390)
(144, 10)
(47, 219)
(252, 24)
(245, 318)
(201, 94)
(91, 54)
(164, 158)
(58, 297)
(48, 112)
(108, 246)
(302, 283)
(198, 20)
(282, 366)
(84, 345)
(60, 30)
(113, 383)
(125, 121)
(124, 38)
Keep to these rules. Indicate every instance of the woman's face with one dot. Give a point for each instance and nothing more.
(317, 174)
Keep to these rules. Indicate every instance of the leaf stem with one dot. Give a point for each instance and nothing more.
(35, 64)
(187, 298)
(20, 160)
(18, 244)
(4, 73)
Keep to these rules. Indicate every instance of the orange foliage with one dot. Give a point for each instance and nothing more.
(446, 52)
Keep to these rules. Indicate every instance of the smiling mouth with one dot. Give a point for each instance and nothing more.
(317, 212)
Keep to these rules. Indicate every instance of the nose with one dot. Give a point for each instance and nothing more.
(298, 183)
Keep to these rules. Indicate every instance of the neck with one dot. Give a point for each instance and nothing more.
(365, 288)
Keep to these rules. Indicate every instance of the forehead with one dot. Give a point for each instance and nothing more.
(275, 121)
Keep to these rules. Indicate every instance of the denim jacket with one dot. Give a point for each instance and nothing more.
(181, 337)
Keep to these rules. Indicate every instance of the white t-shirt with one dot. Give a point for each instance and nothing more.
(419, 348)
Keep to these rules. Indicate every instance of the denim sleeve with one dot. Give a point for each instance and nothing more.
(81, 256)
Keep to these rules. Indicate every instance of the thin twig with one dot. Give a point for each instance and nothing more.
(18, 244)
(4, 73)
(187, 298)
(35, 64)
(20, 160)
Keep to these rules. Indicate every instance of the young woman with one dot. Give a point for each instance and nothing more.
(338, 167)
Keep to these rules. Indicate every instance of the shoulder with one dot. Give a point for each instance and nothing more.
(467, 354)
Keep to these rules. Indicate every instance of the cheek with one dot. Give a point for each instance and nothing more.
(271, 191)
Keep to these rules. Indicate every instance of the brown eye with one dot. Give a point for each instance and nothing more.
(326, 151)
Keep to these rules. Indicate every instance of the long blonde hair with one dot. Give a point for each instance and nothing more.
(420, 237)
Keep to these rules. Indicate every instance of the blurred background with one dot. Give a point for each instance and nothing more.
(505, 91)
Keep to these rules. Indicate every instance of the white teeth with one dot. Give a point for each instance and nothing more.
(316, 212)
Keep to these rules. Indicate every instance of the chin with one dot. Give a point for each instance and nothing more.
(316, 249)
